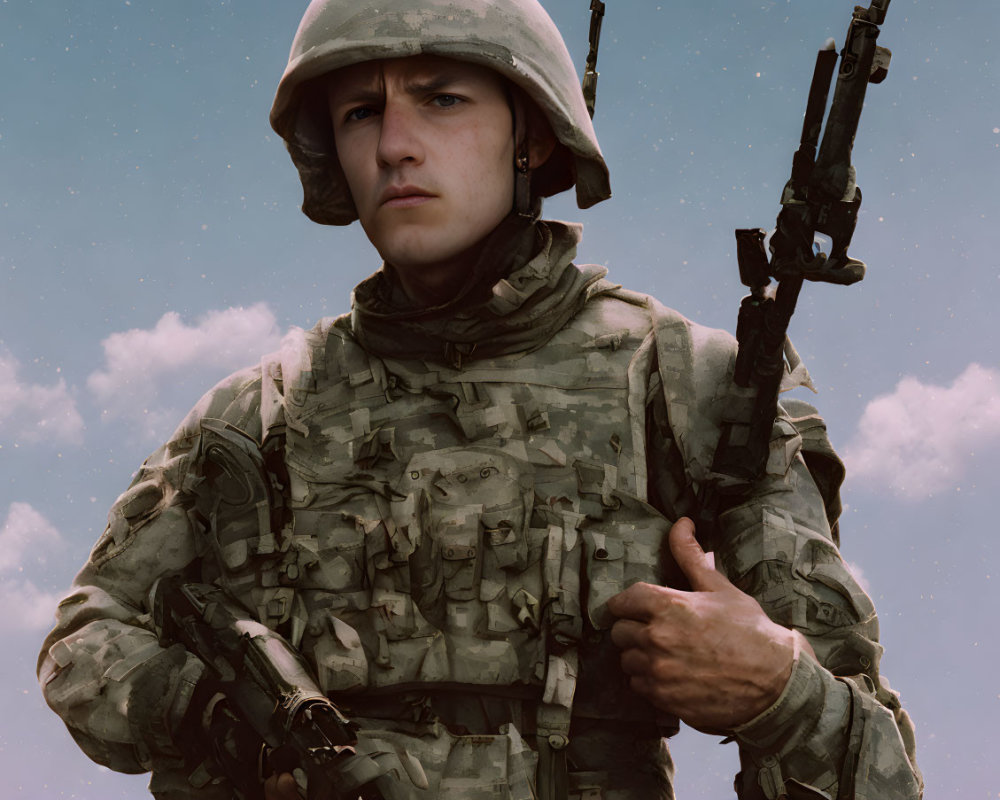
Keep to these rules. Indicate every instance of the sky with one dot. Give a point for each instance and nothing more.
(151, 243)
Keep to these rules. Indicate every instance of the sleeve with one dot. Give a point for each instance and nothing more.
(838, 730)
(101, 668)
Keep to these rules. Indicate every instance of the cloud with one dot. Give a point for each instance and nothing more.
(25, 606)
(31, 412)
(25, 532)
(151, 376)
(26, 539)
(920, 439)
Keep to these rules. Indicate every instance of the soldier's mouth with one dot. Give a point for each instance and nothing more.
(404, 196)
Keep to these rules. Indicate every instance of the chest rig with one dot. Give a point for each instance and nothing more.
(461, 530)
(449, 515)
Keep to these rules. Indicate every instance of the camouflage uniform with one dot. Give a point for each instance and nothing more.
(435, 509)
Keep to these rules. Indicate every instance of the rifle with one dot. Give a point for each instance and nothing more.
(258, 701)
(821, 196)
(590, 73)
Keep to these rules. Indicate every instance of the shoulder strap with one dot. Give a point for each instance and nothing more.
(696, 366)
(822, 460)
(291, 373)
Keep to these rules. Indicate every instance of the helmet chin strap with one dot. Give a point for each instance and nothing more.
(522, 186)
(524, 204)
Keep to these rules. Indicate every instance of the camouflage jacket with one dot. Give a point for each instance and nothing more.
(447, 519)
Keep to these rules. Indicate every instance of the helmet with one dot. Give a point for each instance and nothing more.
(515, 38)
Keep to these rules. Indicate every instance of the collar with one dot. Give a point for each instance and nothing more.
(523, 289)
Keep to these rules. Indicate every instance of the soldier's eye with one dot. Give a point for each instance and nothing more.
(447, 100)
(359, 113)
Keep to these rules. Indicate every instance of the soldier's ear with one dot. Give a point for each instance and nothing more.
(541, 141)
(531, 128)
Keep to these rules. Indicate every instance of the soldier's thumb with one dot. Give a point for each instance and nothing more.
(697, 565)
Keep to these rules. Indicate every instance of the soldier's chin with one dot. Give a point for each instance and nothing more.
(422, 247)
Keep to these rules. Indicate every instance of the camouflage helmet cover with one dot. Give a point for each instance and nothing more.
(516, 38)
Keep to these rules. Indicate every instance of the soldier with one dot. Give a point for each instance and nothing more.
(475, 483)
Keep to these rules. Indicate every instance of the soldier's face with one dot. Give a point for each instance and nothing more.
(427, 147)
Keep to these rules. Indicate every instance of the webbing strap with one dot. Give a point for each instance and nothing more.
(552, 723)
(555, 712)
(856, 728)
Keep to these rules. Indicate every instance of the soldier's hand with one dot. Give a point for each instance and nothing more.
(711, 656)
(281, 787)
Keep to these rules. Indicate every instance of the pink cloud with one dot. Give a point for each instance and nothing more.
(144, 368)
(32, 412)
(919, 439)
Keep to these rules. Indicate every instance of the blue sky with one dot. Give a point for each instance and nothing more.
(147, 212)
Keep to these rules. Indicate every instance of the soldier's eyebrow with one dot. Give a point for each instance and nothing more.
(358, 90)
(373, 93)
(362, 95)
(433, 83)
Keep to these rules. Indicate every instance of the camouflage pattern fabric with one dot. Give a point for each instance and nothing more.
(441, 544)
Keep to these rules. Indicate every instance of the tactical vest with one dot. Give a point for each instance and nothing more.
(447, 540)
(456, 533)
